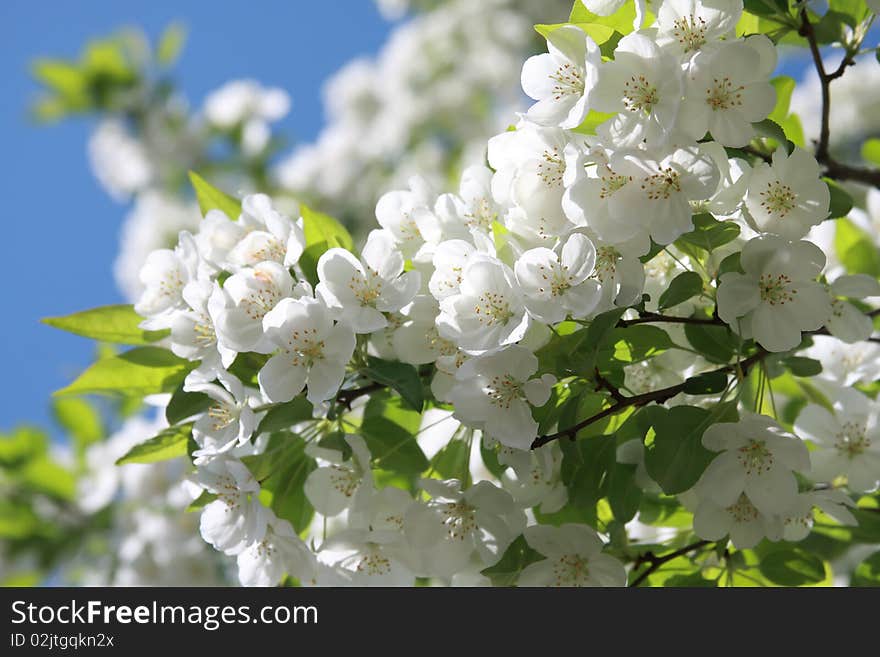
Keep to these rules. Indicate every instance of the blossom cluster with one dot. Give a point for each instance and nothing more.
(562, 226)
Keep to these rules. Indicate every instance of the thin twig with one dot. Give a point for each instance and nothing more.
(833, 168)
(655, 561)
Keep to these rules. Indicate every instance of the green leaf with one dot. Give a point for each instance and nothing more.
(22, 445)
(283, 469)
(453, 461)
(841, 201)
(790, 566)
(585, 466)
(709, 233)
(138, 372)
(592, 121)
(766, 7)
(621, 20)
(516, 557)
(168, 444)
(730, 263)
(402, 377)
(784, 86)
(598, 33)
(707, 383)
(633, 344)
(117, 324)
(79, 418)
(871, 148)
(281, 417)
(802, 366)
(171, 44)
(48, 477)
(389, 430)
(322, 232)
(717, 344)
(772, 130)
(856, 249)
(854, 11)
(624, 495)
(202, 501)
(686, 285)
(677, 458)
(867, 573)
(211, 198)
(183, 405)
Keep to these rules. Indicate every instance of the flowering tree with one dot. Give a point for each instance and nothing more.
(634, 346)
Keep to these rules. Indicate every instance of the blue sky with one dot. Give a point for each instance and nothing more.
(60, 228)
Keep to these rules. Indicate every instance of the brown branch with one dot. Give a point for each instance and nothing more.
(656, 562)
(833, 168)
(603, 383)
(649, 317)
(346, 397)
(637, 401)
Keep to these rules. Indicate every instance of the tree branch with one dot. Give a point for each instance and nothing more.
(346, 397)
(833, 168)
(655, 561)
(655, 396)
(649, 317)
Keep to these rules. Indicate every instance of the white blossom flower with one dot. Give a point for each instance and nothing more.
(687, 26)
(248, 104)
(473, 209)
(573, 558)
(846, 364)
(648, 194)
(457, 526)
(495, 393)
(312, 349)
(847, 322)
(757, 459)
(728, 89)
(236, 519)
(279, 552)
(269, 235)
(533, 477)
(120, 162)
(787, 197)
(777, 297)
(163, 276)
(239, 306)
(799, 521)
(556, 283)
(529, 167)
(360, 291)
(643, 84)
(741, 520)
(229, 421)
(560, 79)
(847, 440)
(340, 484)
(401, 212)
(609, 7)
(488, 309)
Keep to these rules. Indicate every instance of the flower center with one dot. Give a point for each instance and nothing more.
(568, 81)
(493, 308)
(502, 390)
(203, 332)
(611, 183)
(556, 279)
(661, 185)
(606, 263)
(690, 32)
(373, 562)
(775, 289)
(639, 95)
(722, 95)
(778, 199)
(221, 416)
(851, 440)
(551, 167)
(459, 518)
(571, 570)
(742, 510)
(755, 457)
(481, 215)
(366, 288)
(304, 343)
(263, 299)
(344, 480)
